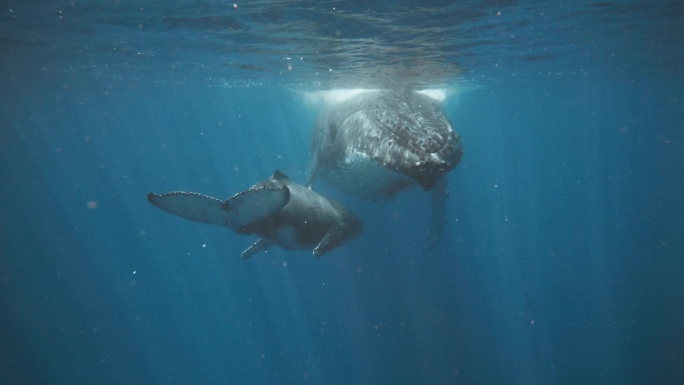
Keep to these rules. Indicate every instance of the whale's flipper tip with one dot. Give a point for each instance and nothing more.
(256, 247)
(189, 205)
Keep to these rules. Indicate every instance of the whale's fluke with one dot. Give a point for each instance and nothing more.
(193, 206)
(255, 204)
(240, 210)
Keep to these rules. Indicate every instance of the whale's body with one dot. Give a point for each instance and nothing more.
(280, 211)
(379, 143)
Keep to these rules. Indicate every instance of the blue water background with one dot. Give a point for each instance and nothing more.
(562, 262)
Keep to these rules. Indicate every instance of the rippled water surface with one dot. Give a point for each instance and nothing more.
(313, 44)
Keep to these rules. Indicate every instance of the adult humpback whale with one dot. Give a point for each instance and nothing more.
(378, 143)
(280, 211)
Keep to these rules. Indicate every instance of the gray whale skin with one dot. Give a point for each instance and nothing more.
(379, 143)
(280, 211)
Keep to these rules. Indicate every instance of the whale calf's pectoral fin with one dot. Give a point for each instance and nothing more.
(193, 206)
(258, 246)
(332, 239)
(254, 205)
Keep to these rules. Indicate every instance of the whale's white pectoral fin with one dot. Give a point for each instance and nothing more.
(313, 172)
(258, 246)
(360, 175)
(255, 204)
(193, 206)
(440, 193)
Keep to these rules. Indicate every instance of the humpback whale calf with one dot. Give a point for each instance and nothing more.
(280, 211)
(378, 143)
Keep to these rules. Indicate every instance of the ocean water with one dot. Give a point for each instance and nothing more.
(563, 258)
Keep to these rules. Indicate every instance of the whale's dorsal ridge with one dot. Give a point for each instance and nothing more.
(278, 175)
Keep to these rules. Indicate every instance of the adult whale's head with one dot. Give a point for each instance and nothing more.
(378, 143)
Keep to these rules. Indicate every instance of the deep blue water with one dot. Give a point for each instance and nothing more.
(563, 261)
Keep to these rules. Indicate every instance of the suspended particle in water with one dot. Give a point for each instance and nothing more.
(91, 204)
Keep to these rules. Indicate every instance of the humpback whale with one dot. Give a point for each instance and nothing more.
(379, 143)
(280, 211)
